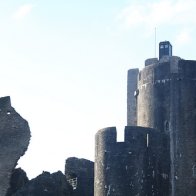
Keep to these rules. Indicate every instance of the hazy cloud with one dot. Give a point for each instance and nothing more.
(22, 11)
(158, 13)
(183, 37)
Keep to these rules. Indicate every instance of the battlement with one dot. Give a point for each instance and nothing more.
(133, 166)
(166, 69)
(5, 102)
(107, 135)
(187, 69)
(151, 61)
(133, 136)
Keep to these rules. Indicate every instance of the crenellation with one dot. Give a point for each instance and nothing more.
(132, 165)
(5, 103)
(106, 136)
(151, 61)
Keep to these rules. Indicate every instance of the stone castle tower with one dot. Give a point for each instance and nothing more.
(137, 166)
(158, 156)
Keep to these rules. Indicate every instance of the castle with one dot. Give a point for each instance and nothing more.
(158, 155)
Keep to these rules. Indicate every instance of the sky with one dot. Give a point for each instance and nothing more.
(64, 63)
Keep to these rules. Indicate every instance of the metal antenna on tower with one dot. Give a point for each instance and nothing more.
(155, 41)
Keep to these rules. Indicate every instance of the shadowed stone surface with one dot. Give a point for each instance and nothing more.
(167, 102)
(131, 97)
(14, 140)
(18, 180)
(46, 184)
(80, 174)
(139, 166)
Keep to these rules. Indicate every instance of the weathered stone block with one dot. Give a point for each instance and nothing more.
(80, 174)
(46, 184)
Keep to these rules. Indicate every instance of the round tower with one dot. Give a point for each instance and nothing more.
(137, 166)
(166, 101)
(105, 139)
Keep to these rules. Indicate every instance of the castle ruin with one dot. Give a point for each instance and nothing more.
(158, 155)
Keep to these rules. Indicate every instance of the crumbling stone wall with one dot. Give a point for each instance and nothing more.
(18, 180)
(14, 140)
(80, 174)
(46, 184)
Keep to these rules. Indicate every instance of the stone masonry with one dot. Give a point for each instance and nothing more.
(14, 140)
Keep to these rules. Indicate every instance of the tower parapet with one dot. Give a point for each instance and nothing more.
(151, 61)
(134, 166)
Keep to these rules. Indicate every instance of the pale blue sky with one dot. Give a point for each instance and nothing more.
(64, 64)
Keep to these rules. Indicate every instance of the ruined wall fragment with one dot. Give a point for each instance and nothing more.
(14, 140)
(46, 184)
(18, 180)
(80, 174)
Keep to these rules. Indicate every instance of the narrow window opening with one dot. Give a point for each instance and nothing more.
(147, 140)
(194, 171)
(166, 126)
